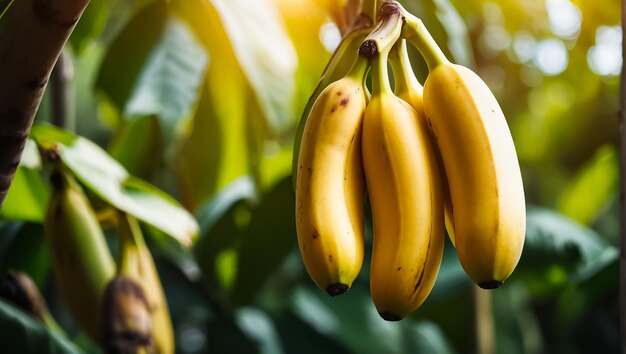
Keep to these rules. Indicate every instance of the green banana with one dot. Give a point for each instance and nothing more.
(81, 259)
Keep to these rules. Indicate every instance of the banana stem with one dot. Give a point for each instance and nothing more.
(404, 78)
(386, 33)
(483, 321)
(130, 237)
(416, 33)
(380, 74)
(369, 8)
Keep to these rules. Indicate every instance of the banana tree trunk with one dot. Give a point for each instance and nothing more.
(32, 35)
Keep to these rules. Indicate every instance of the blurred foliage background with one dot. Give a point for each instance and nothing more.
(201, 98)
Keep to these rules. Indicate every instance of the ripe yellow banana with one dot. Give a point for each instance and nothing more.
(337, 67)
(329, 186)
(405, 191)
(81, 259)
(480, 162)
(408, 88)
(136, 263)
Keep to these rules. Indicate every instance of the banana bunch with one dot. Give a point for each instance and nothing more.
(123, 310)
(432, 158)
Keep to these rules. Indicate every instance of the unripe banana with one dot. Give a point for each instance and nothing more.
(81, 259)
(483, 172)
(336, 68)
(329, 186)
(405, 191)
(136, 263)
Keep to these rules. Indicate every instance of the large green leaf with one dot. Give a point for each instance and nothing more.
(558, 249)
(127, 54)
(269, 238)
(136, 140)
(266, 56)
(106, 178)
(352, 320)
(222, 222)
(91, 24)
(155, 66)
(22, 247)
(216, 150)
(170, 78)
(600, 175)
(260, 327)
(21, 333)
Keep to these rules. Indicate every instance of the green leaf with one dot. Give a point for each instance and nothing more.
(22, 247)
(170, 79)
(260, 327)
(27, 198)
(127, 54)
(222, 221)
(269, 238)
(353, 320)
(267, 57)
(600, 175)
(91, 24)
(21, 333)
(137, 140)
(558, 249)
(107, 179)
(299, 336)
(426, 337)
(240, 189)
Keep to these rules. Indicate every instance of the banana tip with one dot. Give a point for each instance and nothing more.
(388, 316)
(336, 289)
(491, 284)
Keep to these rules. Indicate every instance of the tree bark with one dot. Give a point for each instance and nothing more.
(32, 35)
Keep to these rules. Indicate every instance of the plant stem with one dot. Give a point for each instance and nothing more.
(404, 78)
(370, 8)
(32, 34)
(483, 321)
(386, 33)
(416, 33)
(60, 79)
